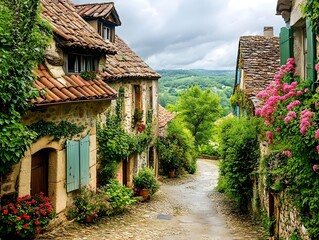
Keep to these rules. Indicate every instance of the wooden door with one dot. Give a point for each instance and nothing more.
(124, 172)
(39, 172)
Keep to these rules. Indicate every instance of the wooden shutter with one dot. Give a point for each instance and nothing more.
(286, 44)
(72, 166)
(237, 111)
(311, 53)
(85, 161)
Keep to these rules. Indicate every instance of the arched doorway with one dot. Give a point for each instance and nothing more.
(39, 172)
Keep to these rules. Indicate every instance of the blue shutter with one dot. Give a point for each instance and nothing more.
(85, 160)
(238, 76)
(286, 44)
(72, 166)
(245, 113)
(311, 54)
(237, 111)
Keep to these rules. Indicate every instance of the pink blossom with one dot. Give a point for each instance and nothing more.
(287, 119)
(278, 129)
(292, 114)
(257, 111)
(317, 148)
(269, 136)
(317, 67)
(306, 90)
(287, 153)
(315, 167)
(317, 135)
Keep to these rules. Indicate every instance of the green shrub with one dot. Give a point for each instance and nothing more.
(119, 196)
(145, 179)
(240, 151)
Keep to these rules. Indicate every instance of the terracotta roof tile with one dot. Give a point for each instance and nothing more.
(126, 64)
(74, 89)
(98, 10)
(71, 29)
(260, 60)
(164, 117)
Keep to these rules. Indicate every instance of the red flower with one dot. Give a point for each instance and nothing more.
(5, 211)
(18, 232)
(25, 226)
(18, 218)
(36, 222)
(26, 217)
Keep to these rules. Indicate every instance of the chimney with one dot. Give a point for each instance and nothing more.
(268, 31)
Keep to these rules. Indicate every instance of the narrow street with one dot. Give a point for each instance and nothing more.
(184, 208)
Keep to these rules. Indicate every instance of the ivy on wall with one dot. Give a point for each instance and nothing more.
(116, 144)
(310, 10)
(240, 99)
(24, 37)
(58, 131)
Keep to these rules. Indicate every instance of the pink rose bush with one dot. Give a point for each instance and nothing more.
(290, 111)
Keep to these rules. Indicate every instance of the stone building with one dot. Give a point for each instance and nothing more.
(125, 70)
(59, 167)
(257, 62)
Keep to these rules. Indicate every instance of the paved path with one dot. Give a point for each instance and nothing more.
(185, 208)
(202, 220)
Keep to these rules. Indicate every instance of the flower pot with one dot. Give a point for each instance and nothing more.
(89, 219)
(171, 174)
(145, 193)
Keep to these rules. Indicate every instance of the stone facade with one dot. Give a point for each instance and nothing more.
(149, 101)
(81, 114)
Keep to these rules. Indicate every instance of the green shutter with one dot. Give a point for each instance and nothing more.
(72, 166)
(85, 160)
(311, 53)
(286, 44)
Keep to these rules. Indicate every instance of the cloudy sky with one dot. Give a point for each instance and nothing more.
(191, 34)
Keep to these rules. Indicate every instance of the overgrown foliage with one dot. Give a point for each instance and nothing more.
(310, 11)
(290, 113)
(116, 144)
(23, 38)
(177, 150)
(58, 131)
(198, 109)
(145, 179)
(109, 200)
(240, 153)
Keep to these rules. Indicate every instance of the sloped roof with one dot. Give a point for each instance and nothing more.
(71, 29)
(164, 117)
(98, 10)
(126, 64)
(69, 88)
(259, 57)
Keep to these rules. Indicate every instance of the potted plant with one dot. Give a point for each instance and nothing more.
(145, 182)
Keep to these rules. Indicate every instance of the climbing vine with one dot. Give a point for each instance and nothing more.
(24, 36)
(240, 99)
(116, 144)
(58, 131)
(310, 10)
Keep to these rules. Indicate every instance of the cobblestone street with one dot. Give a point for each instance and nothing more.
(184, 208)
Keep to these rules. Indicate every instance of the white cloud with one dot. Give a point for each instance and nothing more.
(192, 33)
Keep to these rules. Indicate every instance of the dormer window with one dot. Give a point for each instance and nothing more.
(107, 33)
(77, 63)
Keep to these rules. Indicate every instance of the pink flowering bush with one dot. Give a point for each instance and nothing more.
(290, 111)
(26, 217)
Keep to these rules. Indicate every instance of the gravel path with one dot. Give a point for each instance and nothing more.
(184, 208)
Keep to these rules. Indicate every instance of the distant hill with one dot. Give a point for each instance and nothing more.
(173, 82)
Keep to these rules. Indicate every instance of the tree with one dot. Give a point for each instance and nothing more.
(198, 109)
(23, 38)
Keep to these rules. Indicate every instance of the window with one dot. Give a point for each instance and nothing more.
(77, 63)
(137, 97)
(106, 33)
(78, 163)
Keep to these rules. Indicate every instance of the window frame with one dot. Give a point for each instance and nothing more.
(82, 65)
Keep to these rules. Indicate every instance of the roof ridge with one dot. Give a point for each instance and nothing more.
(100, 3)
